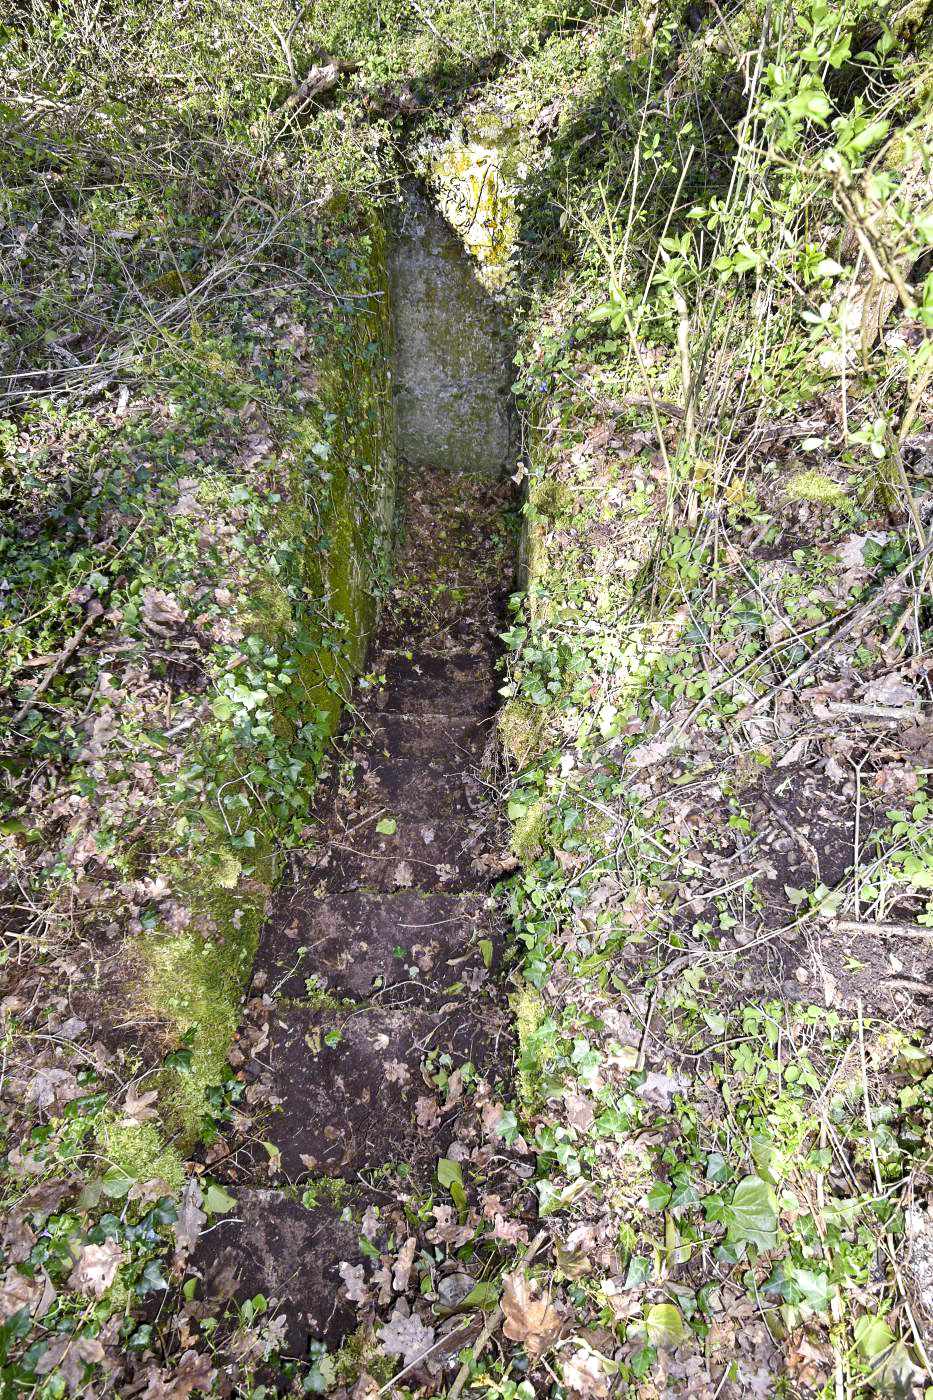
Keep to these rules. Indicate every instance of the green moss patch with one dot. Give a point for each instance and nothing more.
(140, 1152)
(820, 489)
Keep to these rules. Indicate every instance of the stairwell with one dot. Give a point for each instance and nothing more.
(375, 1008)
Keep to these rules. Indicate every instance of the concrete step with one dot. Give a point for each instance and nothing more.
(433, 854)
(342, 1087)
(416, 765)
(448, 742)
(270, 1244)
(359, 943)
(435, 682)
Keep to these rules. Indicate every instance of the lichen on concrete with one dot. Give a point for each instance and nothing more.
(452, 370)
(475, 181)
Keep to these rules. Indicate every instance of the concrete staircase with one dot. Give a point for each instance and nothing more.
(375, 977)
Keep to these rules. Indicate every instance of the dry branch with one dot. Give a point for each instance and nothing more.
(62, 659)
(858, 616)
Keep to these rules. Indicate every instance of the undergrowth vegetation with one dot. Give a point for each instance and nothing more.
(197, 455)
(717, 696)
(716, 699)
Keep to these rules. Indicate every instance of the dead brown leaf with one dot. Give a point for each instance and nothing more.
(405, 1335)
(72, 1356)
(402, 1267)
(96, 1268)
(508, 1230)
(138, 1107)
(446, 1230)
(584, 1376)
(530, 1320)
(16, 1292)
(189, 1222)
(354, 1282)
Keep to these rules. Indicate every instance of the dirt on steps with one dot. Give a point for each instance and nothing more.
(375, 983)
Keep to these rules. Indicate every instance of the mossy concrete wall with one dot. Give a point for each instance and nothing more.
(331, 525)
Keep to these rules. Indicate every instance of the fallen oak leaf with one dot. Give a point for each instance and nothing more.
(16, 1292)
(193, 1372)
(405, 1335)
(446, 1230)
(96, 1268)
(508, 1230)
(402, 1266)
(403, 877)
(52, 1086)
(891, 690)
(534, 1322)
(584, 1376)
(162, 614)
(72, 1356)
(41, 1200)
(426, 1112)
(382, 1281)
(18, 1238)
(354, 1282)
(145, 1192)
(396, 1072)
(659, 1089)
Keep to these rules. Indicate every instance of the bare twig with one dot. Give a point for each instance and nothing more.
(494, 1320)
(672, 410)
(62, 659)
(858, 616)
(321, 78)
(907, 984)
(441, 38)
(884, 930)
(852, 707)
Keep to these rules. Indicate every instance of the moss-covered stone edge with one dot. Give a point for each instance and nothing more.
(191, 983)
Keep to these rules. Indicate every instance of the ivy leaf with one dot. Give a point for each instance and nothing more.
(816, 1288)
(151, 1280)
(449, 1173)
(872, 1336)
(639, 1271)
(751, 1217)
(482, 1295)
(115, 1183)
(217, 1201)
(658, 1197)
(507, 1126)
(664, 1325)
(717, 1168)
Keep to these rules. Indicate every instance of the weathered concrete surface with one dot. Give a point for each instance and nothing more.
(423, 682)
(434, 854)
(452, 372)
(273, 1245)
(361, 943)
(350, 1104)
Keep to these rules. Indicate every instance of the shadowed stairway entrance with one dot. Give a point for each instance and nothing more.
(375, 1031)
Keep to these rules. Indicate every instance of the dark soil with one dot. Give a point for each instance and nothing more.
(803, 836)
